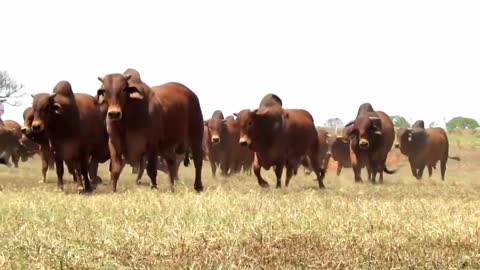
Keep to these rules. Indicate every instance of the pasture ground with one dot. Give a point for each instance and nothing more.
(402, 224)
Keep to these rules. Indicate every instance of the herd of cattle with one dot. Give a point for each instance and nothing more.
(158, 128)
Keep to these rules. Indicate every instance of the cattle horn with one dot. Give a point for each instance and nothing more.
(32, 95)
(410, 129)
(127, 76)
(373, 118)
(100, 78)
(378, 132)
(52, 95)
(350, 123)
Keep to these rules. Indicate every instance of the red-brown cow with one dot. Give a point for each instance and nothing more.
(323, 153)
(424, 147)
(339, 151)
(40, 139)
(371, 137)
(279, 137)
(241, 158)
(218, 143)
(9, 144)
(163, 120)
(74, 125)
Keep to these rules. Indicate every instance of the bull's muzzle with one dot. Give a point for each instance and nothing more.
(25, 130)
(364, 144)
(37, 127)
(245, 141)
(114, 115)
(215, 139)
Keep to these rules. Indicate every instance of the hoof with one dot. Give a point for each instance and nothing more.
(138, 181)
(42, 182)
(154, 187)
(85, 191)
(321, 186)
(263, 184)
(199, 188)
(59, 189)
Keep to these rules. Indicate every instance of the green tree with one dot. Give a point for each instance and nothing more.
(10, 90)
(462, 122)
(399, 121)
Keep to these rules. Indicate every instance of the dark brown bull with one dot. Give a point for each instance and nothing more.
(217, 143)
(279, 137)
(371, 137)
(164, 120)
(240, 158)
(323, 153)
(20, 151)
(9, 145)
(424, 147)
(40, 139)
(74, 125)
(339, 151)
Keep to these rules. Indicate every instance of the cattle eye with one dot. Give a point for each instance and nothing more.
(250, 123)
(101, 92)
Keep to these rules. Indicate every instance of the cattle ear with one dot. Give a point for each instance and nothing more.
(133, 92)
(205, 123)
(235, 114)
(57, 108)
(350, 123)
(100, 96)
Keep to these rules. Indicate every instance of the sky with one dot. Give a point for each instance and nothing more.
(418, 59)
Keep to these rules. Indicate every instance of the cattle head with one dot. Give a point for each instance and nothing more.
(257, 127)
(27, 121)
(49, 108)
(116, 91)
(363, 130)
(410, 139)
(215, 127)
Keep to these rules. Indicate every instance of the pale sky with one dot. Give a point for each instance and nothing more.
(418, 59)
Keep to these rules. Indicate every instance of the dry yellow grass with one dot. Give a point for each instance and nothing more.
(402, 224)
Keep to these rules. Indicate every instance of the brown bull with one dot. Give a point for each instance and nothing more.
(371, 137)
(241, 158)
(424, 147)
(74, 125)
(323, 153)
(9, 145)
(339, 151)
(218, 143)
(143, 121)
(279, 137)
(19, 152)
(40, 139)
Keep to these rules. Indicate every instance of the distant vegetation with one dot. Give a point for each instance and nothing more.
(462, 123)
(10, 90)
(399, 121)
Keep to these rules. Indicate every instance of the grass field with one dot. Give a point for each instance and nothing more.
(402, 224)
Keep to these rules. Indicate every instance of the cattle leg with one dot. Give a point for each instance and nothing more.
(278, 174)
(45, 160)
(414, 170)
(197, 154)
(88, 186)
(429, 171)
(213, 166)
(356, 172)
(256, 170)
(15, 159)
(443, 168)
(339, 169)
(115, 165)
(420, 172)
(289, 175)
(59, 167)
(152, 170)
(141, 169)
(93, 172)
